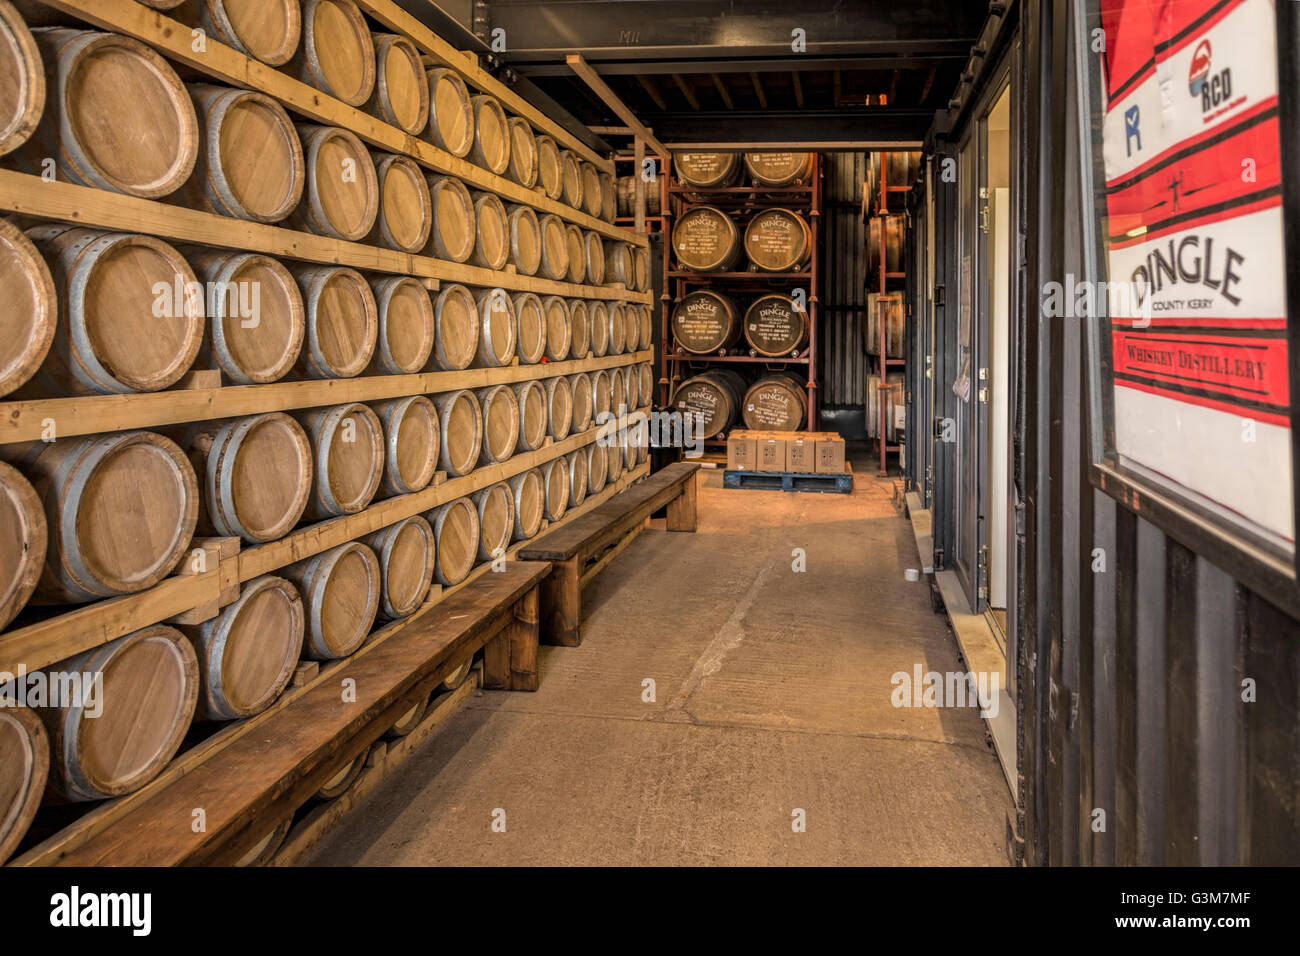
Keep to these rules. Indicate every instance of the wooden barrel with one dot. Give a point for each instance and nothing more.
(550, 175)
(451, 119)
(250, 161)
(713, 398)
(24, 768)
(592, 193)
(608, 198)
(342, 321)
(632, 387)
(890, 306)
(115, 333)
(570, 179)
(405, 219)
(778, 240)
(577, 246)
(528, 491)
(401, 95)
(706, 240)
(406, 326)
(631, 327)
(121, 511)
(637, 438)
(20, 113)
(27, 324)
(594, 255)
(491, 134)
(342, 195)
(462, 431)
(500, 412)
(523, 152)
(456, 677)
(530, 328)
(337, 55)
(559, 407)
(37, 14)
(618, 328)
(600, 395)
(774, 327)
(256, 475)
(496, 328)
(267, 30)
(23, 539)
(780, 169)
(343, 778)
(890, 230)
(707, 170)
(412, 440)
(584, 409)
(577, 462)
(646, 386)
(613, 461)
(893, 397)
(340, 591)
(646, 315)
(617, 392)
(130, 722)
(776, 402)
(618, 263)
(555, 248)
(409, 720)
(405, 552)
(150, 147)
(525, 239)
(456, 527)
(248, 652)
(533, 417)
(496, 520)
(598, 311)
(256, 319)
(640, 268)
(625, 201)
(579, 329)
(453, 219)
(492, 233)
(597, 467)
(347, 444)
(455, 317)
(264, 850)
(555, 481)
(559, 328)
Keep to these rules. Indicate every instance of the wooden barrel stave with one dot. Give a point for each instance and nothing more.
(530, 328)
(579, 329)
(24, 769)
(24, 537)
(577, 462)
(20, 60)
(406, 326)
(713, 397)
(533, 418)
(491, 233)
(705, 239)
(491, 148)
(559, 407)
(550, 173)
(778, 240)
(523, 152)
(525, 239)
(451, 118)
(555, 483)
(496, 328)
(707, 170)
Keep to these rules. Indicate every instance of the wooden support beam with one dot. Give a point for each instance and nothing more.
(722, 91)
(758, 88)
(893, 85)
(798, 89)
(686, 91)
(611, 99)
(929, 82)
(639, 185)
(648, 85)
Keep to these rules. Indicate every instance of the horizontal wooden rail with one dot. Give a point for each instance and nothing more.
(95, 414)
(47, 642)
(174, 40)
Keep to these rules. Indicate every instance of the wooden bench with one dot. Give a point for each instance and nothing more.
(570, 548)
(252, 786)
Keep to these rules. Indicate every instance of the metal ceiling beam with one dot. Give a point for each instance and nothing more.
(828, 129)
(722, 91)
(649, 86)
(758, 88)
(610, 98)
(686, 91)
(749, 64)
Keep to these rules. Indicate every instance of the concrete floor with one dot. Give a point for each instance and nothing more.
(772, 695)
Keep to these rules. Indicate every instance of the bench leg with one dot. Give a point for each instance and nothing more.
(681, 510)
(562, 604)
(510, 658)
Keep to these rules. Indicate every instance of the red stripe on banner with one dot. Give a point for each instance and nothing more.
(1234, 408)
(1263, 106)
(1223, 215)
(1254, 370)
(1133, 28)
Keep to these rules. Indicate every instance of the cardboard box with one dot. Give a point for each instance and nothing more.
(801, 454)
(771, 452)
(742, 451)
(830, 454)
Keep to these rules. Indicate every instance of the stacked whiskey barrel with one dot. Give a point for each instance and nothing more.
(103, 311)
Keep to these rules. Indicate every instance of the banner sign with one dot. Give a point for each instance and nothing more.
(1193, 222)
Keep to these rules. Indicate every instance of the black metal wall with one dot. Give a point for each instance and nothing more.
(1130, 680)
(841, 361)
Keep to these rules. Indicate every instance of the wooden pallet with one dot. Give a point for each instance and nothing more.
(790, 481)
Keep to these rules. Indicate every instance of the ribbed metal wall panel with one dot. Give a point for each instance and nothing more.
(842, 363)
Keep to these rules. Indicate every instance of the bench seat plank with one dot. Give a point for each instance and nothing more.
(269, 773)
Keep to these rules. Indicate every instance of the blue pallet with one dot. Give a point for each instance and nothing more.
(789, 481)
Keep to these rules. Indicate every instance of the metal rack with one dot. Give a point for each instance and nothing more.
(742, 203)
(877, 206)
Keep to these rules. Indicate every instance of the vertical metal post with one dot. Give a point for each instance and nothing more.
(639, 188)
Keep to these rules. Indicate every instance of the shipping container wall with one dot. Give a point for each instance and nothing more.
(842, 360)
